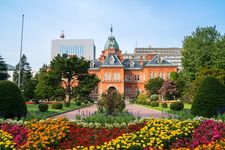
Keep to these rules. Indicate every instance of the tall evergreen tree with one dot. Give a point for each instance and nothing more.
(3, 69)
(27, 84)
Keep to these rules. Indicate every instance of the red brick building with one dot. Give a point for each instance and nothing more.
(127, 73)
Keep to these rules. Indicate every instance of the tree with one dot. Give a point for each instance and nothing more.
(209, 98)
(48, 85)
(190, 90)
(112, 102)
(168, 90)
(153, 85)
(27, 83)
(69, 68)
(86, 83)
(3, 69)
(204, 47)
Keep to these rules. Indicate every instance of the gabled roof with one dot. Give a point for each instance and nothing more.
(97, 64)
(127, 64)
(108, 61)
(158, 61)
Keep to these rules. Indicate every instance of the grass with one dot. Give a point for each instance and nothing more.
(102, 118)
(184, 114)
(34, 113)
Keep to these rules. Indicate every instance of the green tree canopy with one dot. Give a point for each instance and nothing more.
(204, 47)
(86, 83)
(209, 98)
(3, 69)
(153, 85)
(69, 68)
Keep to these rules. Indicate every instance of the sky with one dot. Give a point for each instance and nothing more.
(141, 23)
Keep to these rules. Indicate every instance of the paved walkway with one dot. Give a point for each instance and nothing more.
(136, 110)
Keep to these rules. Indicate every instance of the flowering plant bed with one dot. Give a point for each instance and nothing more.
(150, 134)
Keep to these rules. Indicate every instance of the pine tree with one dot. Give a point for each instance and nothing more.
(3, 70)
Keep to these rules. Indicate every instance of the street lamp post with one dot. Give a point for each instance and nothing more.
(21, 48)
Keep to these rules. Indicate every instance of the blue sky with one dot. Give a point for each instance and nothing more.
(159, 23)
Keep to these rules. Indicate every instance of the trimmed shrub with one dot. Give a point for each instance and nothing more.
(57, 106)
(43, 107)
(210, 97)
(91, 101)
(177, 106)
(12, 103)
(78, 103)
(66, 104)
(164, 105)
(86, 102)
(141, 99)
(154, 104)
(154, 97)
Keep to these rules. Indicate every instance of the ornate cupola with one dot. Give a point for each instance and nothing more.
(111, 43)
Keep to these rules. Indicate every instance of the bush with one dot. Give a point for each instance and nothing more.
(66, 104)
(210, 97)
(154, 104)
(154, 97)
(57, 106)
(164, 105)
(91, 101)
(78, 103)
(43, 107)
(141, 99)
(135, 147)
(177, 106)
(12, 103)
(86, 102)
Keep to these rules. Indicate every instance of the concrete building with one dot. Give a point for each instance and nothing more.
(173, 55)
(80, 47)
(10, 71)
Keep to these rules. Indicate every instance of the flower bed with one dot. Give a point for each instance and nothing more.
(152, 134)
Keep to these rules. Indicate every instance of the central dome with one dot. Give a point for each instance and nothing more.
(111, 43)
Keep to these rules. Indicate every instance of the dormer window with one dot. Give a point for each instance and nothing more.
(159, 60)
(132, 64)
(111, 60)
(92, 64)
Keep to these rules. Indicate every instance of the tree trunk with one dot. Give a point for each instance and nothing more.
(68, 91)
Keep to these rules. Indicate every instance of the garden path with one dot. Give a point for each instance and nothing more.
(136, 110)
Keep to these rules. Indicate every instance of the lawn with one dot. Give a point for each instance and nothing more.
(34, 113)
(185, 113)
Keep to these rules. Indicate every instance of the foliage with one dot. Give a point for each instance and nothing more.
(111, 102)
(78, 103)
(168, 90)
(27, 83)
(164, 105)
(190, 91)
(11, 101)
(69, 68)
(153, 85)
(142, 98)
(209, 98)
(48, 85)
(154, 97)
(86, 83)
(43, 107)
(57, 106)
(177, 106)
(3, 69)
(154, 104)
(204, 47)
(66, 104)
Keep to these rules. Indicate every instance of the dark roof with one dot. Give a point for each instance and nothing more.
(127, 65)
(97, 64)
(158, 61)
(116, 61)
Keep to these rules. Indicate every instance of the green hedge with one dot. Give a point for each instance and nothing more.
(177, 106)
(57, 106)
(43, 107)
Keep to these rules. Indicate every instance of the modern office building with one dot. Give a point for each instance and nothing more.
(79, 47)
(173, 55)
